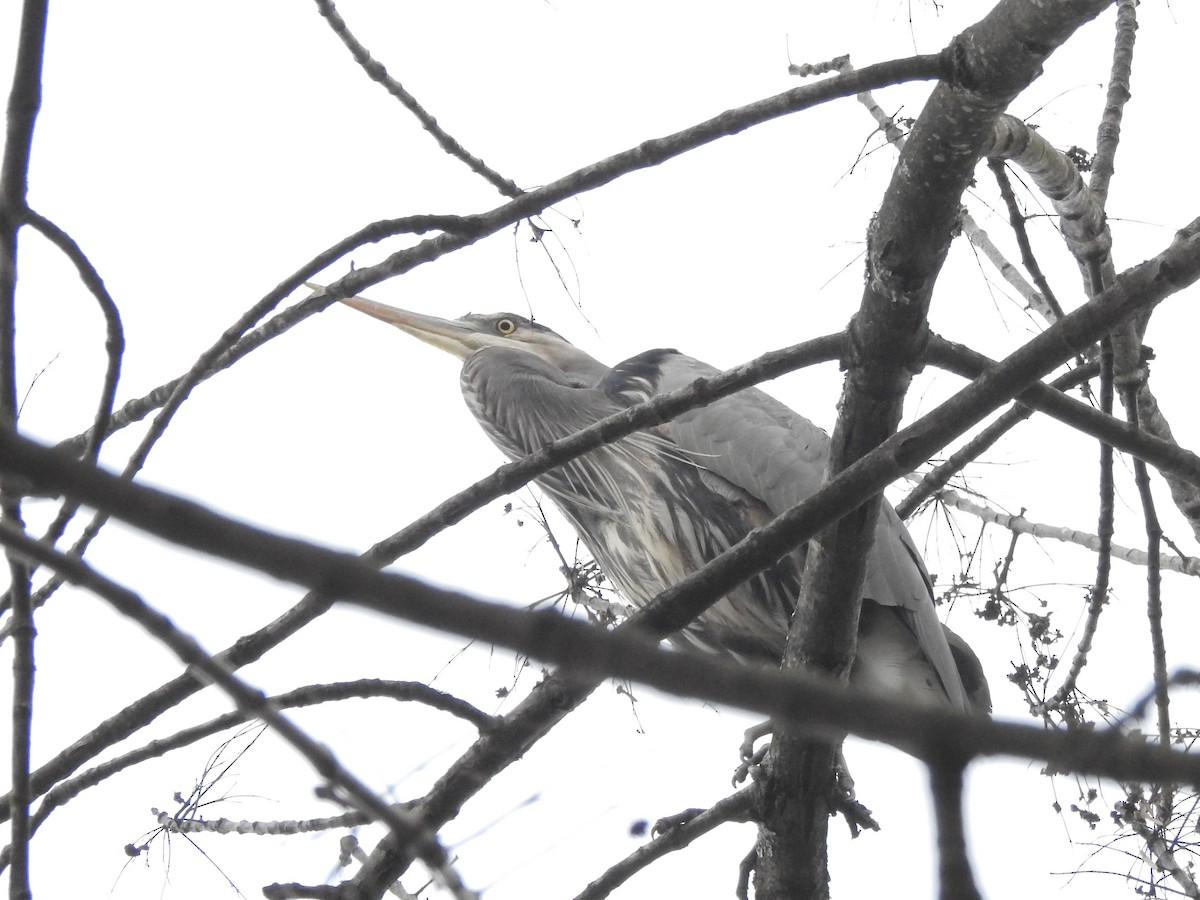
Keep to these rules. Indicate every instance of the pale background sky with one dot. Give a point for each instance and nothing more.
(202, 152)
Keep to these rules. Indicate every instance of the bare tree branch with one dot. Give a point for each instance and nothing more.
(1037, 301)
(24, 101)
(1185, 565)
(377, 73)
(1184, 492)
(1154, 612)
(932, 483)
(114, 346)
(187, 825)
(1166, 456)
(734, 808)
(1108, 134)
(1098, 596)
(1017, 222)
(233, 345)
(954, 864)
(114, 342)
(675, 672)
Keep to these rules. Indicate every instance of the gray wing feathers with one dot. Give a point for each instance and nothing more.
(896, 576)
(778, 456)
(749, 438)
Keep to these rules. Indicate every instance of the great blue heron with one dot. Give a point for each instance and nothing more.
(657, 505)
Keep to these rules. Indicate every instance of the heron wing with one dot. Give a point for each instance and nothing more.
(779, 457)
(650, 516)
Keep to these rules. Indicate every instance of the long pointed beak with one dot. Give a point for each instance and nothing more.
(453, 337)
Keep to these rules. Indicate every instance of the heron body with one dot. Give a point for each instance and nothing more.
(656, 506)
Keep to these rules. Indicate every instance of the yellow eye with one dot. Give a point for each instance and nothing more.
(505, 327)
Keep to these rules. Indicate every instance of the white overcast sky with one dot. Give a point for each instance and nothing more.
(200, 153)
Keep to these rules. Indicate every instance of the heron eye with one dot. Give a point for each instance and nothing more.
(505, 326)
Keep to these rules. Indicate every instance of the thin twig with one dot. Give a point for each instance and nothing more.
(377, 73)
(114, 348)
(937, 478)
(114, 340)
(1016, 221)
(1166, 456)
(1154, 611)
(186, 824)
(734, 808)
(1108, 134)
(1019, 524)
(1098, 595)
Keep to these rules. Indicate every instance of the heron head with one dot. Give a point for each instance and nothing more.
(478, 331)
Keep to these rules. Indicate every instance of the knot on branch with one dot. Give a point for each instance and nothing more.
(954, 64)
(881, 347)
(1133, 379)
(890, 272)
